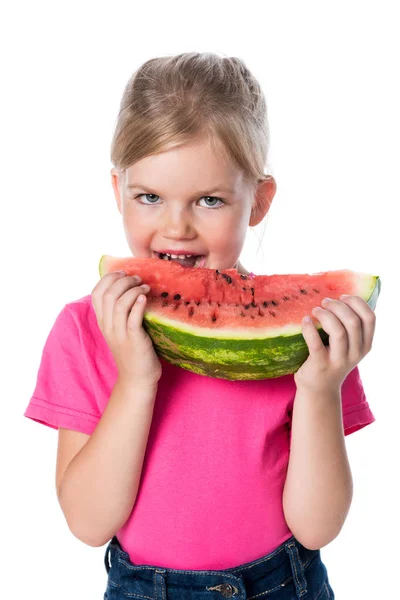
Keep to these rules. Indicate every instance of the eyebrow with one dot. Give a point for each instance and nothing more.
(214, 190)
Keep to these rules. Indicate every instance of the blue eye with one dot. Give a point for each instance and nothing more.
(213, 199)
(154, 195)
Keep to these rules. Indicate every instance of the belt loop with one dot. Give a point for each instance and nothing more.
(297, 570)
(160, 592)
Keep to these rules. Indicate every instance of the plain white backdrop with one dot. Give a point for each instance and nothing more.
(330, 75)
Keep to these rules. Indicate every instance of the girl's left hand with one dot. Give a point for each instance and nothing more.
(350, 324)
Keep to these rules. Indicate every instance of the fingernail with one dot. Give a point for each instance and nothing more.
(121, 272)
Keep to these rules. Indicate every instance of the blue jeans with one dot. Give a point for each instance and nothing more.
(288, 573)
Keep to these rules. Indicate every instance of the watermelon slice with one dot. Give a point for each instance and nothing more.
(232, 326)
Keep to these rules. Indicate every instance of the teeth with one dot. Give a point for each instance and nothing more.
(178, 255)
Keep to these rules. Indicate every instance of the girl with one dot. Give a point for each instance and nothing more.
(207, 488)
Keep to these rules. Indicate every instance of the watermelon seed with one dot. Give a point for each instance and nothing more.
(176, 306)
(242, 314)
(243, 276)
(316, 291)
(272, 313)
(191, 311)
(247, 306)
(303, 292)
(197, 302)
(164, 294)
(177, 297)
(217, 272)
(265, 303)
(213, 318)
(254, 305)
(252, 316)
(275, 303)
(165, 303)
(219, 303)
(286, 298)
(187, 302)
(252, 291)
(244, 289)
(227, 277)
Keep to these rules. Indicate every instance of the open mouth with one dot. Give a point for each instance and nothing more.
(193, 261)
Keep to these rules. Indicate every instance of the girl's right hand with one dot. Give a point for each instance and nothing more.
(119, 316)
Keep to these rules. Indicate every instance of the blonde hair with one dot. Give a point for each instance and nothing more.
(173, 100)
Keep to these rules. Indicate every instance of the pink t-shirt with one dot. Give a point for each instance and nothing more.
(210, 495)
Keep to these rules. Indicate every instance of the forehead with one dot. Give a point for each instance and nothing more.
(187, 167)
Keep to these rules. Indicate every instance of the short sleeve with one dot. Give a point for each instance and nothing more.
(63, 396)
(355, 408)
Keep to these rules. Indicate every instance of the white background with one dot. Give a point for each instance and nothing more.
(330, 75)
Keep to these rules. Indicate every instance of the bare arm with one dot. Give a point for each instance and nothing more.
(319, 488)
(100, 484)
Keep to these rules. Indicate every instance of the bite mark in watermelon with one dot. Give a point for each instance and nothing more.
(232, 326)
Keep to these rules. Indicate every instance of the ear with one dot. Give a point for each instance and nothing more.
(264, 195)
(117, 182)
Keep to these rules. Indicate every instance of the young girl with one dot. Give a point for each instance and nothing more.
(209, 488)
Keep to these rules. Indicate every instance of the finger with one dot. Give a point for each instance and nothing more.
(352, 325)
(124, 306)
(313, 339)
(100, 288)
(135, 317)
(338, 342)
(367, 317)
(111, 297)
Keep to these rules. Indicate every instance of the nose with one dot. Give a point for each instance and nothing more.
(176, 223)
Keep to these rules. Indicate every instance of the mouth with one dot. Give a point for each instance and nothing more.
(186, 260)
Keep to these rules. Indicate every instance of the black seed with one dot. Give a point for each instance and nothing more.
(244, 289)
(286, 298)
(177, 297)
(247, 306)
(254, 305)
(213, 318)
(165, 303)
(227, 277)
(164, 294)
(303, 292)
(191, 311)
(217, 272)
(252, 291)
(219, 303)
(187, 302)
(316, 291)
(265, 303)
(176, 306)
(272, 313)
(242, 314)
(243, 276)
(197, 302)
(275, 303)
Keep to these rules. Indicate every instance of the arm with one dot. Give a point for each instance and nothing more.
(100, 484)
(319, 488)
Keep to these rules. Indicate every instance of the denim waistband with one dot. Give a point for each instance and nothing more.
(288, 562)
